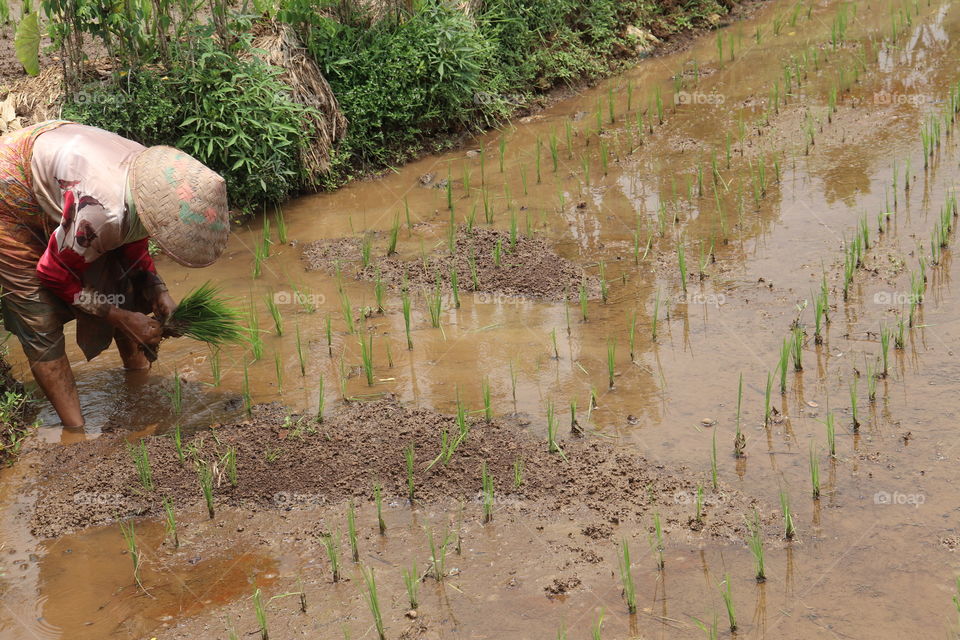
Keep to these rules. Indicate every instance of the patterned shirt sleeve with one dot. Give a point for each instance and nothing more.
(87, 231)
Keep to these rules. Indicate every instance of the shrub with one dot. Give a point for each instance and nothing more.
(402, 77)
(229, 111)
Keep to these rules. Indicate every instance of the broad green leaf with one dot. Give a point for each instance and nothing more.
(27, 44)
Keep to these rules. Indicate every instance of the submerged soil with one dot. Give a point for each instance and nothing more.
(527, 268)
(288, 462)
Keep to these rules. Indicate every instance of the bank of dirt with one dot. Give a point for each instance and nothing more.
(486, 261)
(289, 462)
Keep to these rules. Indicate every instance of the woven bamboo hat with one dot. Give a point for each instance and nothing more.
(182, 205)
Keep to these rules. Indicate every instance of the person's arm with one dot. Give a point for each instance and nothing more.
(137, 259)
(86, 232)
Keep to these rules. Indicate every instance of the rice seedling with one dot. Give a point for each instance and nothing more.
(611, 355)
(766, 399)
(352, 531)
(517, 473)
(739, 440)
(411, 580)
(230, 465)
(539, 145)
(552, 445)
(435, 303)
(215, 370)
(438, 555)
(554, 151)
(502, 148)
(626, 577)
(130, 538)
(329, 333)
(655, 316)
(597, 627)
(727, 596)
(245, 391)
(853, 404)
(789, 530)
(321, 402)
(405, 303)
(141, 460)
(659, 104)
(871, 376)
(682, 265)
(784, 363)
(487, 489)
(898, 341)
(170, 522)
(814, 472)
(278, 367)
(261, 615)
(713, 462)
(331, 543)
(366, 357)
(604, 156)
(408, 455)
(796, 348)
(656, 540)
(755, 543)
(885, 349)
(449, 189)
(346, 308)
(206, 317)
(831, 435)
(205, 478)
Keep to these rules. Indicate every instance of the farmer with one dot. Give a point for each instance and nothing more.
(77, 206)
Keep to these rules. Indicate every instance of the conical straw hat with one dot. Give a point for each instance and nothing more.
(182, 205)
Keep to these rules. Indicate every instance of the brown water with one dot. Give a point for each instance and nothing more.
(861, 568)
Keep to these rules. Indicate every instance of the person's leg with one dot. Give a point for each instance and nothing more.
(55, 379)
(133, 358)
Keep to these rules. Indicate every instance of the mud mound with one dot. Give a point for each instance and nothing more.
(284, 462)
(526, 269)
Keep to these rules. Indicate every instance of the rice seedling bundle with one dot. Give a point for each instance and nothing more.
(205, 316)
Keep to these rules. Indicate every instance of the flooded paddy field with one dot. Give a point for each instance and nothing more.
(659, 316)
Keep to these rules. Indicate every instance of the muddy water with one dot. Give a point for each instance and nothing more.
(861, 567)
